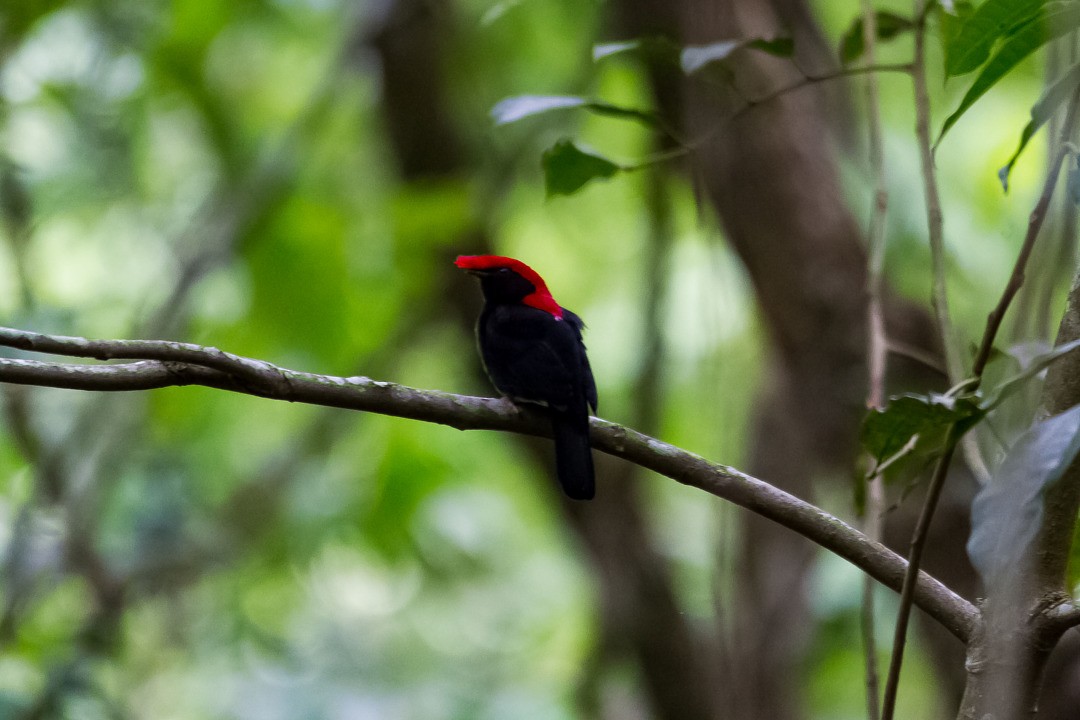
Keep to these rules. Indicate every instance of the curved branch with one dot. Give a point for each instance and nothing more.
(1056, 620)
(166, 364)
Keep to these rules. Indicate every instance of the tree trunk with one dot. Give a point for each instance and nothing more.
(640, 616)
(770, 173)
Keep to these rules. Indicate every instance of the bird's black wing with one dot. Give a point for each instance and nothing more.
(532, 356)
(584, 368)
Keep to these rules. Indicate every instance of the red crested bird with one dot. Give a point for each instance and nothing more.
(533, 352)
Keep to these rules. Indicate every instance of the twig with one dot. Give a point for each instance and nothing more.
(993, 323)
(939, 298)
(473, 413)
(686, 147)
(806, 80)
(877, 345)
(918, 542)
(1016, 279)
(872, 515)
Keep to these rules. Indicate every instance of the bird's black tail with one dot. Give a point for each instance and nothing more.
(573, 454)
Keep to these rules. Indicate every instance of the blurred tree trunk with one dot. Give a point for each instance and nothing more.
(640, 618)
(770, 173)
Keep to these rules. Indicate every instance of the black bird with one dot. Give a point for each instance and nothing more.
(533, 352)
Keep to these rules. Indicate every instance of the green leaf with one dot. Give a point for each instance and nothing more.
(886, 431)
(658, 49)
(888, 24)
(780, 47)
(695, 57)
(970, 46)
(608, 110)
(1057, 19)
(1007, 513)
(692, 57)
(512, 109)
(496, 12)
(1041, 112)
(603, 50)
(951, 21)
(516, 108)
(567, 168)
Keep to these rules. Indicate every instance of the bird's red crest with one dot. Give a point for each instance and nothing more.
(540, 298)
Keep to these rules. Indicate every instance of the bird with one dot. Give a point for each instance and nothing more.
(533, 352)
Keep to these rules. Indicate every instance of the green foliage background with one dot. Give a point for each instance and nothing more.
(292, 562)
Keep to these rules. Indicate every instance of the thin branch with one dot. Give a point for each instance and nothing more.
(917, 354)
(686, 147)
(939, 298)
(872, 514)
(165, 350)
(877, 345)
(993, 323)
(808, 80)
(1016, 279)
(179, 364)
(918, 544)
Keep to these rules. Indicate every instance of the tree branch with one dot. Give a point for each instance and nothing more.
(939, 298)
(1058, 619)
(876, 349)
(807, 80)
(162, 364)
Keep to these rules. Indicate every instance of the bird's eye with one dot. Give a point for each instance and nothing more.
(504, 270)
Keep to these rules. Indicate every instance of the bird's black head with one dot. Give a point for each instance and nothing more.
(508, 281)
(503, 285)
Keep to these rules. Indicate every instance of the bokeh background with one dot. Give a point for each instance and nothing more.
(290, 180)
